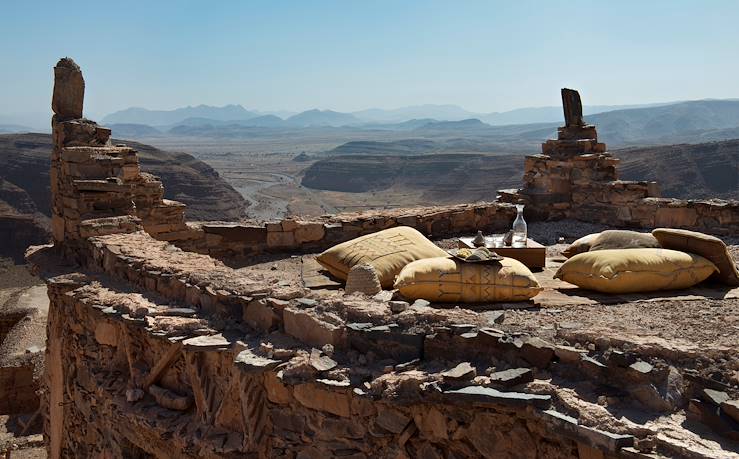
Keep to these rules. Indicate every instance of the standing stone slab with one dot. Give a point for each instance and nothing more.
(69, 90)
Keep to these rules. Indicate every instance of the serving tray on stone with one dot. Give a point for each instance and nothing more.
(480, 255)
(534, 255)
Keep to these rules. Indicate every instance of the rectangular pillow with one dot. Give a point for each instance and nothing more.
(635, 270)
(388, 251)
(450, 280)
(624, 239)
(707, 246)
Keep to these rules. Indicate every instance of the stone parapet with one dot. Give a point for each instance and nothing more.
(316, 234)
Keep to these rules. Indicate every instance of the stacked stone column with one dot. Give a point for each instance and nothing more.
(575, 177)
(98, 188)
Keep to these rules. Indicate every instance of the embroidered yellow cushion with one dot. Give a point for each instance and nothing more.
(450, 280)
(388, 251)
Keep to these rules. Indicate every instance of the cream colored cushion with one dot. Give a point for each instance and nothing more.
(624, 239)
(388, 251)
(579, 246)
(450, 280)
(635, 270)
(704, 245)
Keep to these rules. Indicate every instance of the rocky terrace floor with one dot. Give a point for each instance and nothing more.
(630, 368)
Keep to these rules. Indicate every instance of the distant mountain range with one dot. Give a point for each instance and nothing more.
(516, 130)
(138, 115)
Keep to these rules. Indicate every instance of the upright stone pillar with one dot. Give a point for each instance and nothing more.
(573, 161)
(98, 188)
(575, 177)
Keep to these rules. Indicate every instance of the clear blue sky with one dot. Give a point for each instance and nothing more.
(348, 55)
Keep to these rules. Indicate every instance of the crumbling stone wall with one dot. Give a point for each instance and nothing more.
(91, 179)
(213, 396)
(229, 240)
(576, 178)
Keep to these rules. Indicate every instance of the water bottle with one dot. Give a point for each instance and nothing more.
(519, 228)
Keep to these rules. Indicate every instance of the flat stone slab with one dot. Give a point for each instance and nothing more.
(250, 362)
(512, 377)
(207, 343)
(314, 275)
(488, 395)
(463, 371)
(321, 362)
(176, 312)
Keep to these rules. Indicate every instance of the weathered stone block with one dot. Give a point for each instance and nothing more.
(280, 239)
(313, 396)
(311, 330)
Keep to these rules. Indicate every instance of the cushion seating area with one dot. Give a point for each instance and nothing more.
(388, 251)
(635, 270)
(709, 247)
(446, 279)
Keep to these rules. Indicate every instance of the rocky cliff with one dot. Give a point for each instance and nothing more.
(696, 171)
(24, 162)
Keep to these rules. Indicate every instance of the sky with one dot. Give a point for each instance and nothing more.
(348, 55)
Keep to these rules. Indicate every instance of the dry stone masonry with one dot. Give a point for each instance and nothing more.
(160, 345)
(93, 180)
(575, 177)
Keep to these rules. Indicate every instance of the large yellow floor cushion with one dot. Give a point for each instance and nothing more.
(388, 251)
(635, 270)
(623, 239)
(709, 247)
(447, 280)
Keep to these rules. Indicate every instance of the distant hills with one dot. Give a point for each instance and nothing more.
(685, 171)
(24, 164)
(138, 115)
(236, 114)
(518, 130)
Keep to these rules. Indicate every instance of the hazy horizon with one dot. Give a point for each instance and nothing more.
(291, 56)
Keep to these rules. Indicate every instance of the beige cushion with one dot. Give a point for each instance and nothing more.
(635, 270)
(449, 280)
(704, 245)
(579, 246)
(622, 239)
(388, 251)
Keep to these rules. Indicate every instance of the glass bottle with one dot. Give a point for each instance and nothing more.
(519, 228)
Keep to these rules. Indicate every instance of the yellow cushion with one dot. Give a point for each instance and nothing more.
(635, 270)
(624, 239)
(704, 245)
(581, 245)
(388, 251)
(450, 280)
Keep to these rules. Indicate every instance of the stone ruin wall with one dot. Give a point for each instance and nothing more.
(154, 351)
(102, 348)
(574, 178)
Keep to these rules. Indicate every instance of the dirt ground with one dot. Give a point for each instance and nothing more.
(20, 291)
